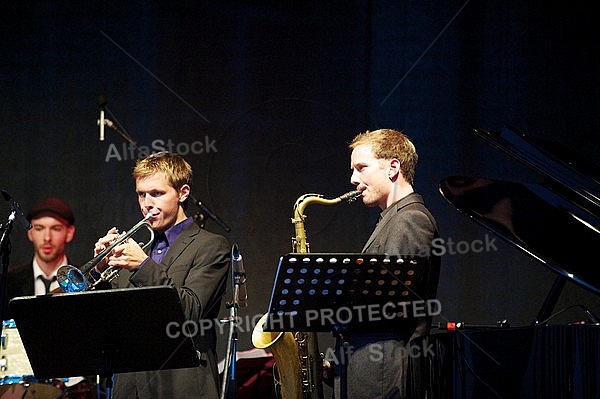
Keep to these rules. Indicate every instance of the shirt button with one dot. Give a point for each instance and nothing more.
(159, 251)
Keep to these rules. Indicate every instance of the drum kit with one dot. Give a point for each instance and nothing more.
(17, 378)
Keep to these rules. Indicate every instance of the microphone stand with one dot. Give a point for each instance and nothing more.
(121, 132)
(203, 212)
(229, 385)
(5, 249)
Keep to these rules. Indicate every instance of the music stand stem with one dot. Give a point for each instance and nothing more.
(108, 352)
(343, 346)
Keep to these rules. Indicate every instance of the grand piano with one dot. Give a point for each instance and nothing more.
(555, 222)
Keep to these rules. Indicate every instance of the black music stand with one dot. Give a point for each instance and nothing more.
(342, 292)
(104, 332)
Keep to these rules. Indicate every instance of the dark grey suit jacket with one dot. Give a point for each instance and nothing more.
(196, 264)
(408, 228)
(405, 228)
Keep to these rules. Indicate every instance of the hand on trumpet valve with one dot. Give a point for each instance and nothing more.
(128, 255)
(103, 243)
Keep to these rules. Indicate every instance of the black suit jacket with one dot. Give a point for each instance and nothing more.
(20, 283)
(196, 265)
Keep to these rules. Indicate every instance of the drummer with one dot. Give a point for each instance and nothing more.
(53, 228)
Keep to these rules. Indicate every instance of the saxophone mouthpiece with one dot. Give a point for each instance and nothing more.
(351, 196)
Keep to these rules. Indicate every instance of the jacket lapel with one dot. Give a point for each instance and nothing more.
(409, 199)
(180, 244)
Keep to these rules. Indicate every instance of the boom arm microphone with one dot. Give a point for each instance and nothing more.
(101, 122)
(16, 209)
(205, 211)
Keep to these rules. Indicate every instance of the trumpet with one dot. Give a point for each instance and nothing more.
(73, 279)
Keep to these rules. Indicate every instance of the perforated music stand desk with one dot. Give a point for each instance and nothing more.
(103, 332)
(323, 292)
(347, 292)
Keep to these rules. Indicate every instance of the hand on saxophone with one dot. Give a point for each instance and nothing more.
(327, 373)
(128, 255)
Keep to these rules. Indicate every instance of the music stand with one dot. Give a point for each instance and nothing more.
(104, 332)
(341, 292)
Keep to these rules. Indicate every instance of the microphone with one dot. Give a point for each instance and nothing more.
(239, 274)
(16, 208)
(101, 103)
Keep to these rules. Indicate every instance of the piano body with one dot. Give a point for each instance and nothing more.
(557, 223)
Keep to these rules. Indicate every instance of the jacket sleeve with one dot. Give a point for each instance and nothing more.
(198, 273)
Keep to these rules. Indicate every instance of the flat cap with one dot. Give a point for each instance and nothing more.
(54, 207)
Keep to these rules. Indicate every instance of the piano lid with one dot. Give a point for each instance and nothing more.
(556, 222)
(564, 171)
(535, 220)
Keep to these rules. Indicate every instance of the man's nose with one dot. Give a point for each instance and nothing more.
(354, 178)
(147, 202)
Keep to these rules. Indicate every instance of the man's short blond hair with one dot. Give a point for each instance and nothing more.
(172, 166)
(388, 144)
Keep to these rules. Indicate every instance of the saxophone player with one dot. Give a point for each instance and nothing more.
(190, 259)
(383, 167)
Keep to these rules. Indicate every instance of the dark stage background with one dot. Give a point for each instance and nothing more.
(275, 92)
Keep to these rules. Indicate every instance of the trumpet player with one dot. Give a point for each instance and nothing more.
(184, 256)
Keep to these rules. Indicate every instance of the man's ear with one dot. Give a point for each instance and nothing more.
(184, 193)
(393, 168)
(70, 233)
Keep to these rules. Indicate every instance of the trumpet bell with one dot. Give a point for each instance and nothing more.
(262, 339)
(71, 279)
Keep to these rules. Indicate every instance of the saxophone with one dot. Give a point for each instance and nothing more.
(298, 363)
